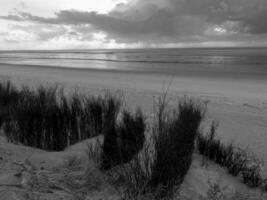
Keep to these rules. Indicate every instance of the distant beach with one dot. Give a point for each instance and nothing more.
(209, 62)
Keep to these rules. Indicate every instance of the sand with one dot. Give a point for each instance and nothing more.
(29, 173)
(240, 106)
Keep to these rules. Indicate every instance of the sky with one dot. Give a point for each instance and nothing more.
(85, 24)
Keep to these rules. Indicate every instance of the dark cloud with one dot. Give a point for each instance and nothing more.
(257, 23)
(161, 23)
(165, 21)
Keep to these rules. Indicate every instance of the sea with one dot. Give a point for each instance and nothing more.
(212, 62)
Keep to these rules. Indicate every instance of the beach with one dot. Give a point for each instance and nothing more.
(133, 99)
(237, 101)
(238, 104)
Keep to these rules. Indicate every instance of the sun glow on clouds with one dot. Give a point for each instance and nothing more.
(216, 31)
(220, 30)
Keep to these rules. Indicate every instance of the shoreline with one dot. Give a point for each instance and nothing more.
(182, 72)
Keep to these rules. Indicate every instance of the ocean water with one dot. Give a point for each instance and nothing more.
(215, 62)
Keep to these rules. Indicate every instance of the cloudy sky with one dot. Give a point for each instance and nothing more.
(60, 24)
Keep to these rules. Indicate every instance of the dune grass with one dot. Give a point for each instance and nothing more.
(46, 118)
(124, 139)
(8, 97)
(174, 139)
(166, 157)
(236, 160)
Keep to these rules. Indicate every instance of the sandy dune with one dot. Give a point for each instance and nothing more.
(28, 173)
(240, 105)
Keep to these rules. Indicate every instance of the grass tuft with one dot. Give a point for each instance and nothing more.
(236, 160)
(164, 161)
(8, 97)
(174, 139)
(124, 139)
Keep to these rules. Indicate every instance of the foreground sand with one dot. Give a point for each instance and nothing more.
(28, 173)
(239, 105)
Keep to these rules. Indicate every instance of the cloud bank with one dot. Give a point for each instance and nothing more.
(156, 22)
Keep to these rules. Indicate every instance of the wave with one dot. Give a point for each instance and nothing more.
(200, 61)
